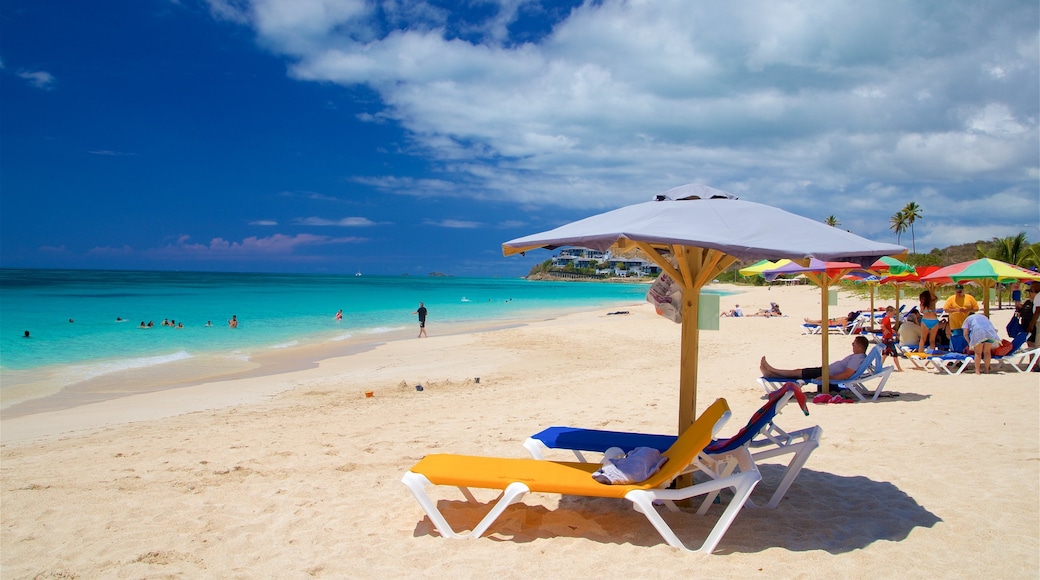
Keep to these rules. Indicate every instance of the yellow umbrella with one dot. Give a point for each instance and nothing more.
(757, 268)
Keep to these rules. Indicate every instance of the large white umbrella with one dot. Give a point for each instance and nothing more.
(705, 230)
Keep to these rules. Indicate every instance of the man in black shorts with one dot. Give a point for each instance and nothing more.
(840, 370)
(422, 319)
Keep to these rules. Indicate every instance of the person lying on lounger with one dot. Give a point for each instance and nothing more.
(774, 310)
(838, 371)
(841, 321)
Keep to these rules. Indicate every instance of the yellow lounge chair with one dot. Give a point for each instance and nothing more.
(516, 477)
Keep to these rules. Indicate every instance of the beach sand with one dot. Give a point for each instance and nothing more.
(297, 474)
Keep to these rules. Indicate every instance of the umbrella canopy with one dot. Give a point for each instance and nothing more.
(907, 279)
(987, 272)
(761, 266)
(705, 230)
(815, 268)
(892, 267)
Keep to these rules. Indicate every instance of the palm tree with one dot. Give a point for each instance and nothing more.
(832, 221)
(1011, 249)
(1031, 256)
(898, 222)
(911, 213)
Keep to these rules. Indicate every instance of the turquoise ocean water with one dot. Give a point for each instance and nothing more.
(275, 311)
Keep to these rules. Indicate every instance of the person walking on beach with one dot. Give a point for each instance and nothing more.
(422, 320)
(889, 337)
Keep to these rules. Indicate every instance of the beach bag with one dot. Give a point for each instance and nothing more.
(1003, 349)
(666, 295)
(1014, 327)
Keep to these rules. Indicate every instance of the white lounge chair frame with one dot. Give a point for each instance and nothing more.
(869, 370)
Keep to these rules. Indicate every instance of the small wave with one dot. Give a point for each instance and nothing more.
(289, 344)
(341, 337)
(464, 299)
(85, 372)
(383, 329)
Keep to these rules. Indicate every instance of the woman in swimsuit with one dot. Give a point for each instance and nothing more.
(928, 319)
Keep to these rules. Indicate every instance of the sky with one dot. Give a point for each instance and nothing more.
(408, 137)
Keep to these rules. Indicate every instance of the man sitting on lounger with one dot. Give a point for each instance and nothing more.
(840, 370)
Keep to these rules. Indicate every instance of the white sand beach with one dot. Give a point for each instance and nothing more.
(297, 475)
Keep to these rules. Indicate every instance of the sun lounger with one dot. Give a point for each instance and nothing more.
(760, 439)
(953, 363)
(516, 477)
(1026, 360)
(869, 370)
(809, 328)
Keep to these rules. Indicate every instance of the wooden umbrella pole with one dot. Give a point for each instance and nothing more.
(825, 329)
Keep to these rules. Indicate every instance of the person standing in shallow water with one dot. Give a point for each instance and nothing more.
(422, 320)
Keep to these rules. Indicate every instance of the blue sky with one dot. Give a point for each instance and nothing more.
(405, 136)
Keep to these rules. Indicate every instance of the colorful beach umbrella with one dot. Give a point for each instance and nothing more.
(986, 272)
(886, 266)
(694, 232)
(906, 279)
(759, 267)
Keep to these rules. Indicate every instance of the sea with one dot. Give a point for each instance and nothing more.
(86, 326)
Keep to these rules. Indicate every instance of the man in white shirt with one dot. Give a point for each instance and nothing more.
(910, 330)
(838, 371)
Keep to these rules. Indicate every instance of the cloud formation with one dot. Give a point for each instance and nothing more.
(253, 247)
(821, 107)
(348, 222)
(39, 79)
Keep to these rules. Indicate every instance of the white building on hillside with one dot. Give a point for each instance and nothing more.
(605, 263)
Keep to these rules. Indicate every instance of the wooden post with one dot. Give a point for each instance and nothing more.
(825, 385)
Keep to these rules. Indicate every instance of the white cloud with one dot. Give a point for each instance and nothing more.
(782, 102)
(39, 79)
(453, 224)
(264, 223)
(349, 222)
(110, 153)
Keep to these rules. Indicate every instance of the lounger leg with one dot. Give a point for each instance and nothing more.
(417, 484)
(805, 449)
(743, 484)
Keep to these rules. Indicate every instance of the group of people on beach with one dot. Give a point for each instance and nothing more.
(959, 327)
(738, 312)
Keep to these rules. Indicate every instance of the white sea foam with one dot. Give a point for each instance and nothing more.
(383, 329)
(90, 371)
(289, 344)
(341, 337)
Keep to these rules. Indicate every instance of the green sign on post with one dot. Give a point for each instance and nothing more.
(708, 312)
(832, 296)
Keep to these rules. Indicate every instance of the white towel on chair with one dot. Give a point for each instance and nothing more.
(638, 465)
